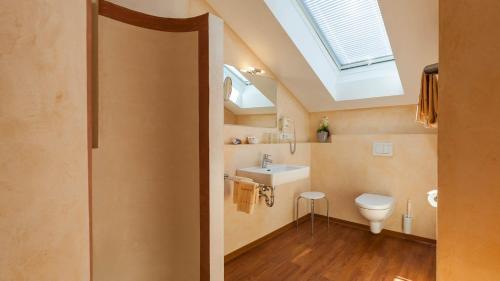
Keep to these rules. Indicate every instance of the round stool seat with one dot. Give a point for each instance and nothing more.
(312, 195)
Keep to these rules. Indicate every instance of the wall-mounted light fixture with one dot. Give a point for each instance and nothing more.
(252, 70)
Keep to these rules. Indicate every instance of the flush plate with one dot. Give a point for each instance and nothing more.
(383, 149)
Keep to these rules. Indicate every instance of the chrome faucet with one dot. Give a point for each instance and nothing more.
(266, 160)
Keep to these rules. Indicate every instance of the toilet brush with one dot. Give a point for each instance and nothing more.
(407, 218)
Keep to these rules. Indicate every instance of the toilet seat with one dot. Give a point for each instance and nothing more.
(374, 201)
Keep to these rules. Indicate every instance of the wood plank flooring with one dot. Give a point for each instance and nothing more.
(342, 254)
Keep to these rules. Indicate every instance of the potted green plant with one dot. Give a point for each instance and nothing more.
(323, 131)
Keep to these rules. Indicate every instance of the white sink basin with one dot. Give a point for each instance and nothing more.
(275, 174)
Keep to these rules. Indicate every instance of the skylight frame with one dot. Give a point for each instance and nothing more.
(315, 27)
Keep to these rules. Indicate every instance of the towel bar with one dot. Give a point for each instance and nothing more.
(263, 190)
(432, 69)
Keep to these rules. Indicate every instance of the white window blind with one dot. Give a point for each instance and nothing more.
(352, 31)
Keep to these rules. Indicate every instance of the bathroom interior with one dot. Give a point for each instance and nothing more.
(184, 140)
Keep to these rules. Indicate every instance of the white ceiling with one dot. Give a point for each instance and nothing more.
(412, 26)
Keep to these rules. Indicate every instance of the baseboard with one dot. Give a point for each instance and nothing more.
(236, 253)
(385, 232)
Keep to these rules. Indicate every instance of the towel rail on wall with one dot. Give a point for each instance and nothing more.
(432, 69)
(263, 189)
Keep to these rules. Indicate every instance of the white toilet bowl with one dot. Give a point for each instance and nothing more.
(376, 209)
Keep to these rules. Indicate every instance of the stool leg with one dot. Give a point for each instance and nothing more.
(327, 212)
(312, 217)
(297, 212)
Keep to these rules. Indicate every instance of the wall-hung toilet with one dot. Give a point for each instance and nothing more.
(375, 208)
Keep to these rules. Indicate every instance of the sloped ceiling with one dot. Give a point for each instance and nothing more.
(412, 26)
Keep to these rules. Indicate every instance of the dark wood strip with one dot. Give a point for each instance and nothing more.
(204, 144)
(92, 56)
(385, 232)
(132, 17)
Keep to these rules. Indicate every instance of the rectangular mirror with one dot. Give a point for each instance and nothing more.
(249, 98)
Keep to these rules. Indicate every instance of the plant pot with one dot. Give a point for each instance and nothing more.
(322, 136)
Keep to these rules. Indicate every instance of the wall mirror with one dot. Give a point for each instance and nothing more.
(249, 99)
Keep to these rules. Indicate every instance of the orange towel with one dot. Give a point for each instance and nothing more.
(427, 111)
(247, 195)
(237, 180)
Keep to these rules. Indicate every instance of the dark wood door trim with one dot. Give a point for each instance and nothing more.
(198, 24)
(125, 15)
(204, 144)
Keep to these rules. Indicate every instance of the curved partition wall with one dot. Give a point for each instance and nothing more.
(152, 172)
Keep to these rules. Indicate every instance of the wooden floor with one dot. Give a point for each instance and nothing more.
(343, 253)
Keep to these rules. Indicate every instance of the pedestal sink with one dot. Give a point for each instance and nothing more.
(275, 174)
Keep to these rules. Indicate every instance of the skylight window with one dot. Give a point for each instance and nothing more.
(352, 31)
(345, 43)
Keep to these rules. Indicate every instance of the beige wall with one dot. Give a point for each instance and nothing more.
(237, 53)
(260, 120)
(250, 120)
(146, 192)
(345, 167)
(44, 219)
(240, 228)
(229, 117)
(469, 151)
(379, 120)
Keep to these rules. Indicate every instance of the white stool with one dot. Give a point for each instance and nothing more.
(312, 195)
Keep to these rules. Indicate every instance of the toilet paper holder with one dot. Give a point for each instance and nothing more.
(432, 197)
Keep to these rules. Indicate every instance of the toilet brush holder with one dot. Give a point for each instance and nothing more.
(407, 222)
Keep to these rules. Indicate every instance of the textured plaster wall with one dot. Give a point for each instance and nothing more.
(469, 134)
(44, 218)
